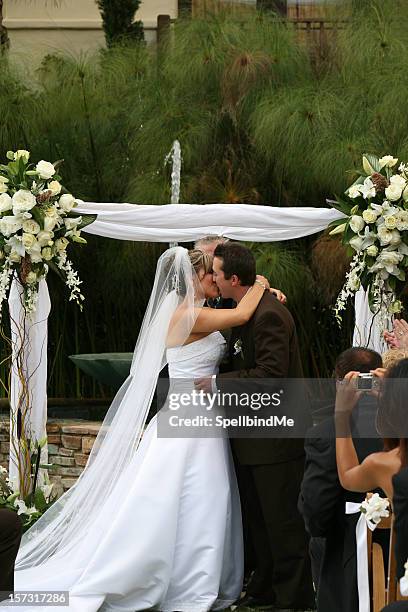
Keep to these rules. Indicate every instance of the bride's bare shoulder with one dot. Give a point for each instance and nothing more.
(180, 327)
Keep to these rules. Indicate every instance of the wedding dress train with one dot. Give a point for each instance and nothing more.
(169, 538)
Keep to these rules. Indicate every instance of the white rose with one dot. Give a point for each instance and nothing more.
(395, 238)
(31, 227)
(388, 161)
(402, 221)
(22, 153)
(71, 223)
(384, 235)
(5, 202)
(357, 223)
(14, 257)
(28, 241)
(51, 212)
(61, 244)
(44, 238)
(372, 251)
(45, 169)
(390, 222)
(356, 243)
(390, 258)
(353, 191)
(10, 225)
(399, 180)
(31, 278)
(67, 202)
(23, 200)
(393, 192)
(35, 253)
(46, 253)
(369, 216)
(55, 187)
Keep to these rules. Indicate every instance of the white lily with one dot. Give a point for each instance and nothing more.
(20, 504)
(367, 189)
(369, 238)
(16, 244)
(356, 243)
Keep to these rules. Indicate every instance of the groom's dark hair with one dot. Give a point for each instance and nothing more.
(238, 260)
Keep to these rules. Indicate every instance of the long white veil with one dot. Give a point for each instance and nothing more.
(65, 524)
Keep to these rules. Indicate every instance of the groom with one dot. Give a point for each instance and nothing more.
(270, 470)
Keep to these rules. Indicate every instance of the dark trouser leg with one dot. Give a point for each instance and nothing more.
(249, 553)
(277, 487)
(260, 585)
(316, 551)
(10, 536)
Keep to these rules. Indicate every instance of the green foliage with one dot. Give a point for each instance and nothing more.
(117, 21)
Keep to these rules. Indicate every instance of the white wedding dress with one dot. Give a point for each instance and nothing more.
(169, 538)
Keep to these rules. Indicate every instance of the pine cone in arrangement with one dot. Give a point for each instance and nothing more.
(44, 196)
(25, 268)
(379, 181)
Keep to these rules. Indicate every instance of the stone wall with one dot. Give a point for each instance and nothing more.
(69, 445)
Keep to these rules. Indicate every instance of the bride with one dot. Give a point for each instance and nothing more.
(151, 522)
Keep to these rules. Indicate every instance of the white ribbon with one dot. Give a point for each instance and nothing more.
(362, 556)
(403, 584)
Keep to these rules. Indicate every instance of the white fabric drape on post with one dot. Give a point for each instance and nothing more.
(366, 330)
(29, 340)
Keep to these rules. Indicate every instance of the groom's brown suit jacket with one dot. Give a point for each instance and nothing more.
(269, 350)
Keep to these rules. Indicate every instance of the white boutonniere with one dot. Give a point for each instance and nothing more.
(238, 348)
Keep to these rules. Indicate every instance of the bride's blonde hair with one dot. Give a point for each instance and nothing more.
(201, 261)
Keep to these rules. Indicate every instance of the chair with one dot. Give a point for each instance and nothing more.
(394, 593)
(376, 567)
(384, 585)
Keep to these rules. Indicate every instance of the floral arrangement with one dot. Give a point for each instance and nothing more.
(375, 232)
(37, 223)
(33, 505)
(375, 507)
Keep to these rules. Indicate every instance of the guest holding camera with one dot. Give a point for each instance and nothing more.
(378, 469)
(10, 536)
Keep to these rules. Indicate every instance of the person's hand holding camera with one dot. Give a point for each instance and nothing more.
(348, 393)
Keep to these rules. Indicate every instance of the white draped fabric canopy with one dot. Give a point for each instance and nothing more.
(185, 223)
